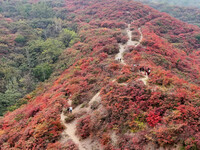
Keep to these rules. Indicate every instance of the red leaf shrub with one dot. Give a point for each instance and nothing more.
(84, 126)
(153, 118)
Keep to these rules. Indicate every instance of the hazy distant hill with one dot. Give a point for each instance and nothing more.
(194, 3)
(188, 14)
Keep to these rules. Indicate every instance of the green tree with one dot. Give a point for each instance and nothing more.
(68, 37)
(7, 99)
(44, 51)
(20, 39)
(42, 10)
(42, 71)
(51, 50)
(24, 9)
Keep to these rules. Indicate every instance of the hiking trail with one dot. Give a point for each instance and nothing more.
(70, 128)
(144, 79)
(123, 47)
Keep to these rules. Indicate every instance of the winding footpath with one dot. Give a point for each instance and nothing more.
(70, 128)
(123, 47)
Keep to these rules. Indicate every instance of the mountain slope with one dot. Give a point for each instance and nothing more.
(32, 37)
(187, 14)
(161, 112)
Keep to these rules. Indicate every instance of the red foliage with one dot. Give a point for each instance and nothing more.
(113, 24)
(69, 145)
(84, 127)
(153, 118)
(169, 103)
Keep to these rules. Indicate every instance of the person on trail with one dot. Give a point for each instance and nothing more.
(141, 69)
(70, 109)
(134, 67)
(148, 71)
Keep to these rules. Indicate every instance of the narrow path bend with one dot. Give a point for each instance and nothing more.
(145, 78)
(123, 47)
(70, 130)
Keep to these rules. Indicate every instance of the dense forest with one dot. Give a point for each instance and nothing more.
(32, 37)
(190, 14)
(61, 54)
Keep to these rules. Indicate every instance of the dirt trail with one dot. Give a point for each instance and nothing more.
(129, 33)
(123, 47)
(95, 98)
(70, 131)
(120, 54)
(145, 79)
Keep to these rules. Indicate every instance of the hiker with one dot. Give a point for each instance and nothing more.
(141, 69)
(70, 109)
(134, 67)
(148, 71)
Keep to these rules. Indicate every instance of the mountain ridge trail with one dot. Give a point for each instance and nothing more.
(70, 130)
(123, 47)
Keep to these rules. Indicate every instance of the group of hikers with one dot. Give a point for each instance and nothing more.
(134, 68)
(119, 59)
(141, 69)
(147, 71)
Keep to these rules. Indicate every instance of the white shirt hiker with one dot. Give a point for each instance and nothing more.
(70, 109)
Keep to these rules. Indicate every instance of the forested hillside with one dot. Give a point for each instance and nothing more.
(32, 37)
(184, 13)
(116, 105)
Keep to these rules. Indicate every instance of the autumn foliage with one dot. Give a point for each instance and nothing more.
(163, 113)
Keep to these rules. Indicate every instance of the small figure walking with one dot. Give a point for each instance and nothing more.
(70, 109)
(134, 67)
(148, 71)
(141, 69)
